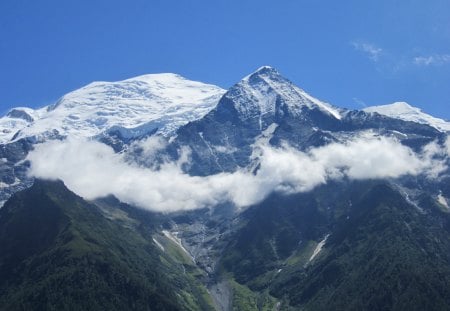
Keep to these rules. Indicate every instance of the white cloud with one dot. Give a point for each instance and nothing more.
(93, 170)
(447, 145)
(145, 151)
(372, 51)
(438, 59)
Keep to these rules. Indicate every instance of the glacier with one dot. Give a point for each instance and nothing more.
(158, 102)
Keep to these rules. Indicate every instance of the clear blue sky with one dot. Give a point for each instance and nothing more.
(349, 53)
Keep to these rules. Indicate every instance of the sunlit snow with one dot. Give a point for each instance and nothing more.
(403, 111)
(162, 102)
(264, 86)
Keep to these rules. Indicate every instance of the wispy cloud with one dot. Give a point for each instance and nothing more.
(359, 102)
(391, 62)
(372, 51)
(432, 60)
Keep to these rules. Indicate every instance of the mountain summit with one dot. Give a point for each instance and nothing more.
(154, 102)
(256, 198)
(266, 93)
(404, 111)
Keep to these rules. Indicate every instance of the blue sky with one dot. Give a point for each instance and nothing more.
(348, 53)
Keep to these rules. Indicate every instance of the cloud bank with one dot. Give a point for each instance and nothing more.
(92, 170)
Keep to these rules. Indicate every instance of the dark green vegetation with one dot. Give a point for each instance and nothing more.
(59, 252)
(379, 251)
(382, 252)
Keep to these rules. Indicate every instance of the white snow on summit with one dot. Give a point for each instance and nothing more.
(16, 119)
(264, 85)
(403, 111)
(163, 101)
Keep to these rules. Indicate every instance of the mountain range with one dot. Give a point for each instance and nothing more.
(160, 193)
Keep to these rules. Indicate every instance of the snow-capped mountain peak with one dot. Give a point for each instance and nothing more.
(21, 113)
(263, 70)
(265, 88)
(160, 102)
(396, 108)
(406, 112)
(16, 119)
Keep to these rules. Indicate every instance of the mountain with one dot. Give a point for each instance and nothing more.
(266, 101)
(360, 246)
(222, 140)
(358, 231)
(299, 249)
(61, 252)
(403, 111)
(150, 103)
(265, 94)
(113, 112)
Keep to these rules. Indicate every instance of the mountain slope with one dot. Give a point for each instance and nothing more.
(60, 252)
(154, 102)
(378, 244)
(360, 246)
(115, 113)
(265, 104)
(403, 111)
(260, 103)
(257, 95)
(388, 256)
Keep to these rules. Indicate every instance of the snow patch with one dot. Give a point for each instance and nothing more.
(211, 150)
(225, 149)
(323, 106)
(318, 248)
(406, 112)
(442, 200)
(158, 244)
(267, 134)
(5, 185)
(399, 134)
